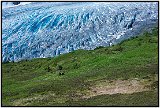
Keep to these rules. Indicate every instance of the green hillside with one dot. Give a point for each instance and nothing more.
(87, 78)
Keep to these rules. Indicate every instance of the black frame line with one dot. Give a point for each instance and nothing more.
(79, 1)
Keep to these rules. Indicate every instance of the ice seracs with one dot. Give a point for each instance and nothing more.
(47, 29)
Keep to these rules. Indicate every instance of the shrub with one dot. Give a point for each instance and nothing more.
(74, 59)
(99, 47)
(147, 34)
(59, 67)
(139, 43)
(75, 66)
(118, 48)
(108, 51)
(49, 58)
(48, 69)
(155, 84)
(61, 73)
(152, 40)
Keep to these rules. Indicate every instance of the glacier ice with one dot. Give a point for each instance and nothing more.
(47, 29)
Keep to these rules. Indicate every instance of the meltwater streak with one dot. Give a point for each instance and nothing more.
(47, 29)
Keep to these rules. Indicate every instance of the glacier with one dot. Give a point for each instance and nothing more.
(48, 29)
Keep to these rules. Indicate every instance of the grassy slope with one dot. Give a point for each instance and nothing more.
(133, 58)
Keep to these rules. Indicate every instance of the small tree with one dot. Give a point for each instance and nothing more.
(48, 69)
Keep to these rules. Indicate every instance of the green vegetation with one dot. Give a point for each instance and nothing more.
(135, 99)
(63, 80)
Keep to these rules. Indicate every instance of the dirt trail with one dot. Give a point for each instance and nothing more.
(117, 86)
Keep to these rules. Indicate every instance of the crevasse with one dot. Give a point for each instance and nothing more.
(47, 29)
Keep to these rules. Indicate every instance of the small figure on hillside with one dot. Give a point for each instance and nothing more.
(61, 73)
(59, 68)
(48, 69)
